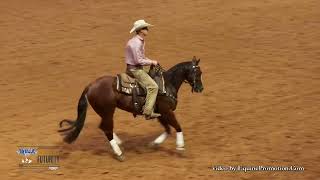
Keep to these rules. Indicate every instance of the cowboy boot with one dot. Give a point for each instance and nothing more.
(152, 115)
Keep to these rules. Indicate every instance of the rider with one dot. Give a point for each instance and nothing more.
(135, 60)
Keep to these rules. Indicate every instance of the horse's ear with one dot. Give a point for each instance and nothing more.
(194, 60)
(198, 61)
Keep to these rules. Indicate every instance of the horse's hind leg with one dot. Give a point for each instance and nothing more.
(106, 126)
(118, 140)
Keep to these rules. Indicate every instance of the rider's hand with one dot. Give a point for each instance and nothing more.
(155, 62)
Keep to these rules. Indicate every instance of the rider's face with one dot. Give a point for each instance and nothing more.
(144, 31)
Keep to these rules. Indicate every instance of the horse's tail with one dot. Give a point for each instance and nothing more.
(71, 133)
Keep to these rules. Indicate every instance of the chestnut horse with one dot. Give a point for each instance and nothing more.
(104, 99)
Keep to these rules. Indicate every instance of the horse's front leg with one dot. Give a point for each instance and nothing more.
(160, 139)
(175, 124)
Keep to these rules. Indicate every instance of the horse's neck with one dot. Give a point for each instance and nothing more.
(175, 77)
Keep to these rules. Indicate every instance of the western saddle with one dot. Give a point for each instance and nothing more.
(128, 85)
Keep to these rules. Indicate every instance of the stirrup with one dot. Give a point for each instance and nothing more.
(152, 116)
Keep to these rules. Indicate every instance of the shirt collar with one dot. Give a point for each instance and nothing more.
(139, 37)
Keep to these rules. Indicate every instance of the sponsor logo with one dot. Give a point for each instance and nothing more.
(27, 151)
(39, 157)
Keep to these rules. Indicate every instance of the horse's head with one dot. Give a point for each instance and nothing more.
(194, 75)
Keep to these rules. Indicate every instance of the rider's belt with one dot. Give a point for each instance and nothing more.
(134, 67)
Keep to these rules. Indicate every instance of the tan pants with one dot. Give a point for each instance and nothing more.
(152, 89)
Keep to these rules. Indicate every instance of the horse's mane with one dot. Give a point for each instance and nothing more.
(179, 66)
(158, 69)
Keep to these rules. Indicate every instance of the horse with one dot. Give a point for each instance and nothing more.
(103, 97)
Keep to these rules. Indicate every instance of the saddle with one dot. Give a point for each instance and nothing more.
(128, 85)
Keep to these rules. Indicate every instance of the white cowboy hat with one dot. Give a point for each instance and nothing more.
(139, 25)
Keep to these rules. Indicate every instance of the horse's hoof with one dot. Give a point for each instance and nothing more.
(181, 152)
(180, 148)
(120, 158)
(153, 145)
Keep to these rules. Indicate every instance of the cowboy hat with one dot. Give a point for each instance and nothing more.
(139, 25)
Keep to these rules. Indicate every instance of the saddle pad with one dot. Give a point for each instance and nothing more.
(125, 84)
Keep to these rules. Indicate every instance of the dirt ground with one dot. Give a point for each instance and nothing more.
(261, 74)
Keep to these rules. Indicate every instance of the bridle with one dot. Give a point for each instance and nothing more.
(193, 82)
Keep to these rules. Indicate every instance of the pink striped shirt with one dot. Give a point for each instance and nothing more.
(135, 52)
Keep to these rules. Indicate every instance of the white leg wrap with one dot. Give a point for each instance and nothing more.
(161, 138)
(118, 140)
(115, 147)
(180, 141)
